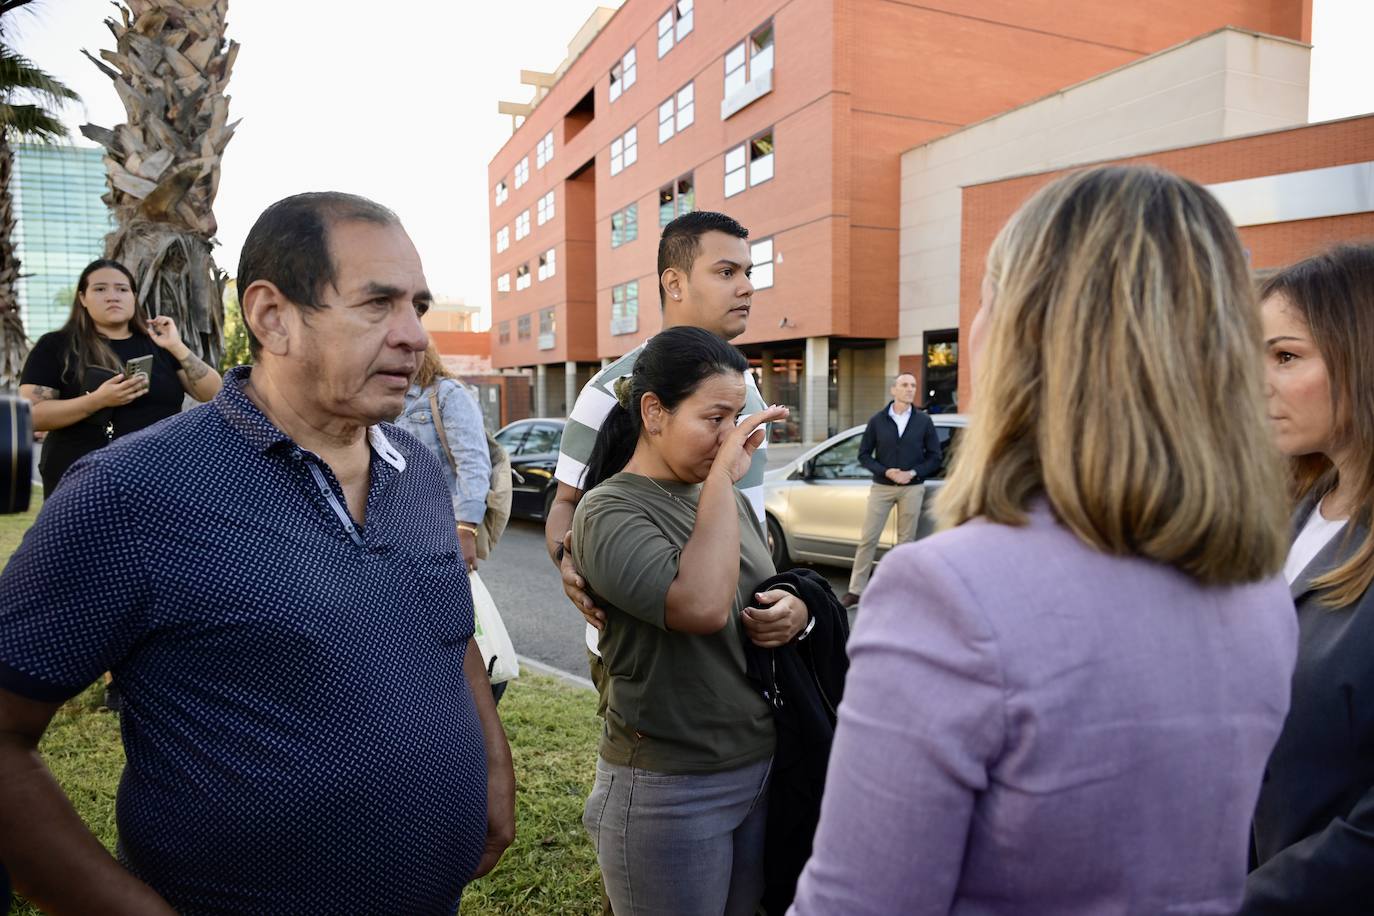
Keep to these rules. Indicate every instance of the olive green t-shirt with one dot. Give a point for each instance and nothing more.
(675, 703)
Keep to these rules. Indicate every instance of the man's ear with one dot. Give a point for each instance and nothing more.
(268, 314)
(674, 285)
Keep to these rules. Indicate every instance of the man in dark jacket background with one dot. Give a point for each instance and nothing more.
(901, 448)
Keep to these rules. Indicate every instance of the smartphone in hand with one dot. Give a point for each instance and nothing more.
(140, 365)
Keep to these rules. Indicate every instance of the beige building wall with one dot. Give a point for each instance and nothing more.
(1224, 84)
(451, 315)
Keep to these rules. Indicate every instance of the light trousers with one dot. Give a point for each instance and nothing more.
(882, 497)
(687, 845)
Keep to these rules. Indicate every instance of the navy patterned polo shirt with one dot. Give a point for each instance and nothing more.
(300, 737)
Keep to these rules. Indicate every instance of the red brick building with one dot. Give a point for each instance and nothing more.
(1290, 192)
(790, 115)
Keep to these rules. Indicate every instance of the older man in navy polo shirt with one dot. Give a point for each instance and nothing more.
(275, 580)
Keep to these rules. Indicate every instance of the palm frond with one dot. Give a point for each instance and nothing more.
(9, 5)
(30, 122)
(19, 73)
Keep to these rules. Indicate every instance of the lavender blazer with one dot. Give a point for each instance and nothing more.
(1032, 727)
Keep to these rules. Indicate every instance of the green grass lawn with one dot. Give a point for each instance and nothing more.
(553, 729)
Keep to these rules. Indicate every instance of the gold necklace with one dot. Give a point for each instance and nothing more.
(673, 496)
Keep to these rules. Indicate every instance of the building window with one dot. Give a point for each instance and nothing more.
(761, 253)
(675, 199)
(761, 51)
(736, 74)
(623, 74)
(503, 331)
(522, 327)
(677, 112)
(522, 225)
(543, 151)
(502, 192)
(624, 225)
(674, 25)
(522, 278)
(748, 65)
(502, 239)
(546, 265)
(735, 162)
(503, 283)
(547, 327)
(545, 208)
(761, 159)
(624, 151)
(749, 164)
(522, 171)
(625, 308)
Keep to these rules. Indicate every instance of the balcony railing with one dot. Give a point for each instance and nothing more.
(755, 89)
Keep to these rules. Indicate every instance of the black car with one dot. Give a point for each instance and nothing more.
(533, 448)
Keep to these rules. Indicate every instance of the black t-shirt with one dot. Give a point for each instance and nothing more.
(52, 365)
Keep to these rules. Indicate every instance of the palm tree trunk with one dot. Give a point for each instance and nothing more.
(170, 66)
(14, 344)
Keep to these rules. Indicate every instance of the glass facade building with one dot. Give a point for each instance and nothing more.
(61, 224)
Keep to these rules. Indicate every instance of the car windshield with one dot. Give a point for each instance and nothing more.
(840, 462)
(510, 437)
(542, 438)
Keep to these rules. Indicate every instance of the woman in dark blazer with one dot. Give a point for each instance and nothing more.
(1314, 825)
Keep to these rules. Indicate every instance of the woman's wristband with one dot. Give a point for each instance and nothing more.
(470, 529)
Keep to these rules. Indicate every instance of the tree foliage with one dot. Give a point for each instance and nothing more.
(28, 99)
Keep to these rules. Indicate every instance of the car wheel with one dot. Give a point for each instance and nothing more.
(777, 546)
(549, 494)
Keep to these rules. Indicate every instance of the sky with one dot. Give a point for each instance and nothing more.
(397, 101)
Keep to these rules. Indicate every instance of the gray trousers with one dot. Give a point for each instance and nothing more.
(881, 498)
(680, 845)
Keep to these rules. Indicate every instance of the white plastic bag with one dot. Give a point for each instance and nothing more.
(498, 652)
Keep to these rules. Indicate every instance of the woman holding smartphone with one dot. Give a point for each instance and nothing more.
(75, 376)
(674, 554)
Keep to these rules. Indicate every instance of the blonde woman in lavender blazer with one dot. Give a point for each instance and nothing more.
(1062, 704)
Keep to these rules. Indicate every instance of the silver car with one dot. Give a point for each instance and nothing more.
(816, 502)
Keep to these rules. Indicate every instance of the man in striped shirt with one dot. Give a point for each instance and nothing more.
(703, 270)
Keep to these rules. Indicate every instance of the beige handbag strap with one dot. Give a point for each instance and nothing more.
(438, 417)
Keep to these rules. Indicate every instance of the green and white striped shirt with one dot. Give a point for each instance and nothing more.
(590, 411)
(596, 401)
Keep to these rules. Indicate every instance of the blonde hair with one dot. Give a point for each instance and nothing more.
(1122, 380)
(431, 368)
(1334, 292)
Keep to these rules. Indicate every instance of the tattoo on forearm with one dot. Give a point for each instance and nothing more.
(194, 367)
(43, 393)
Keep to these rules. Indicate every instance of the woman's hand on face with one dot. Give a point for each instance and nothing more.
(737, 451)
(776, 617)
(164, 332)
(118, 391)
